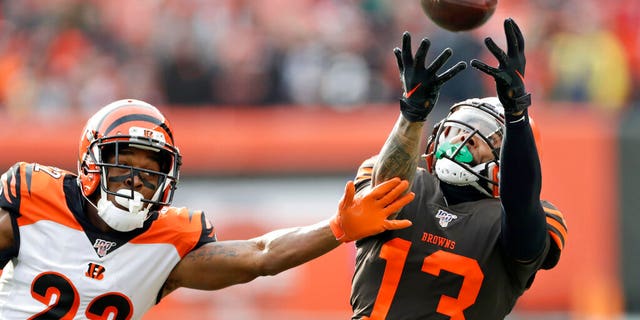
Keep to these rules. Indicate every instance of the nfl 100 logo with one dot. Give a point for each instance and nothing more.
(102, 246)
(444, 218)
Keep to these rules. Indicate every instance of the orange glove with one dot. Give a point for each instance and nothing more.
(363, 216)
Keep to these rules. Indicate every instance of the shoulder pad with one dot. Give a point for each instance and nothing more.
(557, 229)
(364, 174)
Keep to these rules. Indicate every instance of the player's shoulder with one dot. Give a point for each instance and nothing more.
(366, 167)
(555, 218)
(33, 179)
(181, 218)
(368, 162)
(36, 192)
(546, 204)
(557, 229)
(33, 171)
(365, 173)
(186, 229)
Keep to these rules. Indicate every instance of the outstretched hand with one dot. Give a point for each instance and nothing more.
(421, 85)
(362, 216)
(509, 75)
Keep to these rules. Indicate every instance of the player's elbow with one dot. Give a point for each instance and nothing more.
(271, 270)
(268, 262)
(274, 260)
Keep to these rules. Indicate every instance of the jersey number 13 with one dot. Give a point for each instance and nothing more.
(395, 252)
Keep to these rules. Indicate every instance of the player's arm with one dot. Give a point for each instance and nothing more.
(7, 243)
(220, 264)
(523, 223)
(524, 229)
(8, 201)
(421, 85)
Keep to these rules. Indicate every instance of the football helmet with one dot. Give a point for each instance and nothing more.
(448, 155)
(127, 123)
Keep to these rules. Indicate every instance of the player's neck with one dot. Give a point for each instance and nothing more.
(92, 215)
(459, 194)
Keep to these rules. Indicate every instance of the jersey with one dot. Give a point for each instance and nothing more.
(449, 264)
(65, 268)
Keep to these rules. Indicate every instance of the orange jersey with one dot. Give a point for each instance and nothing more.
(65, 268)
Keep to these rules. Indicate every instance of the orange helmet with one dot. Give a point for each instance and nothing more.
(131, 123)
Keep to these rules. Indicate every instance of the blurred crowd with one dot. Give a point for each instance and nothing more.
(77, 55)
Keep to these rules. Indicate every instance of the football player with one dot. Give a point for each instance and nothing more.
(105, 243)
(480, 230)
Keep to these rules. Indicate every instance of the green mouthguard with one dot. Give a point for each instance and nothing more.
(464, 155)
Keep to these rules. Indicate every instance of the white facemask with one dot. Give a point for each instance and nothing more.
(123, 220)
(454, 174)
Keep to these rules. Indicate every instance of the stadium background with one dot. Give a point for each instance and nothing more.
(297, 93)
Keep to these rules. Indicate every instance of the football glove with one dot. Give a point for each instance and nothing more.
(366, 215)
(421, 85)
(509, 75)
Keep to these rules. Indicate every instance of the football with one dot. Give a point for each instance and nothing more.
(459, 15)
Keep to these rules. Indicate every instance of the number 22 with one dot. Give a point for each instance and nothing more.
(395, 252)
(50, 286)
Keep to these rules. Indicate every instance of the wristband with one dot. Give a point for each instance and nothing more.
(336, 229)
(520, 103)
(413, 113)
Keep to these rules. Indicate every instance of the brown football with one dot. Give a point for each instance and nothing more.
(459, 15)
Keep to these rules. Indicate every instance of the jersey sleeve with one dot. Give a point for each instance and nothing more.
(186, 229)
(10, 201)
(557, 230)
(24, 189)
(208, 233)
(523, 221)
(10, 184)
(364, 174)
(7, 254)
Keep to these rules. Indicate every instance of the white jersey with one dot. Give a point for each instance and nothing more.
(66, 269)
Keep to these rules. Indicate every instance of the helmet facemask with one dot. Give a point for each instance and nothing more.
(105, 154)
(112, 171)
(449, 153)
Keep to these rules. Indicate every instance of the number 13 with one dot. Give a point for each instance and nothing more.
(395, 252)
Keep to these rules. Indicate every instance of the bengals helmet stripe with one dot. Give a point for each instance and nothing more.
(140, 117)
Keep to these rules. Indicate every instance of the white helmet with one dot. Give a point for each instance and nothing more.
(452, 162)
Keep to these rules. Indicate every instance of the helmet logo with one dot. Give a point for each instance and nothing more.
(445, 218)
(147, 133)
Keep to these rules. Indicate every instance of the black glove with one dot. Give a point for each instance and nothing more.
(421, 85)
(509, 75)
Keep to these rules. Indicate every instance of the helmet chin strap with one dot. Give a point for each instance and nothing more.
(451, 172)
(119, 219)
